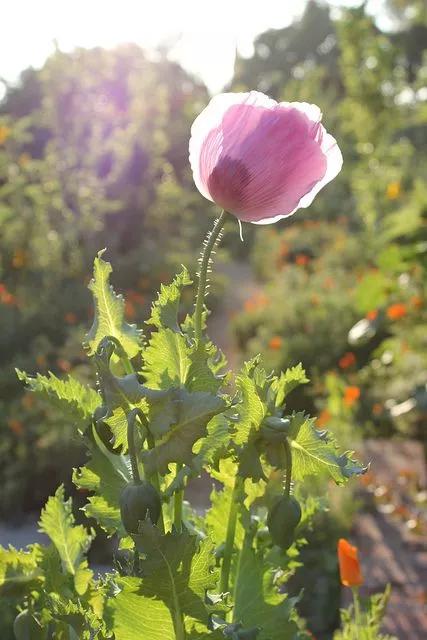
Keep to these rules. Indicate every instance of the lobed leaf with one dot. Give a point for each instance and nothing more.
(164, 313)
(257, 601)
(315, 452)
(178, 571)
(75, 400)
(105, 474)
(71, 541)
(109, 318)
(189, 415)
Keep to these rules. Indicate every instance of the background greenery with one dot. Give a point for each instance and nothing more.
(93, 152)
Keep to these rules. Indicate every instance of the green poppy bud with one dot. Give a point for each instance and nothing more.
(283, 518)
(137, 502)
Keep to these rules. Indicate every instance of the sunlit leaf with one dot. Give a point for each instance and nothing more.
(109, 318)
(164, 313)
(315, 452)
(75, 400)
(71, 541)
(178, 570)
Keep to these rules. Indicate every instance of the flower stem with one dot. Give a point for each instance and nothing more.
(131, 446)
(231, 532)
(178, 500)
(209, 246)
(288, 457)
(357, 615)
(154, 479)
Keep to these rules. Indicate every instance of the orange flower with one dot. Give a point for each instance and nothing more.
(351, 395)
(144, 282)
(41, 361)
(7, 298)
(372, 315)
(323, 418)
(284, 249)
(27, 400)
(70, 318)
(64, 365)
(257, 301)
(130, 309)
(328, 283)
(19, 259)
(347, 360)
(393, 190)
(377, 408)
(16, 426)
(417, 302)
(275, 343)
(396, 311)
(4, 134)
(302, 260)
(350, 572)
(315, 300)
(24, 159)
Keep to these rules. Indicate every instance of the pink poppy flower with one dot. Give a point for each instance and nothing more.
(261, 160)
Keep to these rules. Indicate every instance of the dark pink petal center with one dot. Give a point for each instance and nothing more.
(228, 181)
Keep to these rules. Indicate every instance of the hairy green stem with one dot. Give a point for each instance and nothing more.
(231, 532)
(209, 245)
(357, 615)
(154, 479)
(178, 500)
(131, 446)
(288, 457)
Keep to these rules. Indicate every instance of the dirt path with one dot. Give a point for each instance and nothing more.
(392, 547)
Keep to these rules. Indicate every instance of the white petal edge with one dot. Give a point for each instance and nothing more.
(211, 118)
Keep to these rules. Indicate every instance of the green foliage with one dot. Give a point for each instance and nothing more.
(75, 400)
(113, 174)
(258, 602)
(106, 475)
(54, 582)
(169, 424)
(314, 452)
(165, 309)
(369, 626)
(109, 319)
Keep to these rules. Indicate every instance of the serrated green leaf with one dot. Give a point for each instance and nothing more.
(75, 400)
(252, 408)
(167, 360)
(80, 617)
(71, 541)
(207, 364)
(315, 452)
(105, 475)
(178, 570)
(287, 381)
(19, 571)
(257, 601)
(164, 313)
(109, 318)
(191, 415)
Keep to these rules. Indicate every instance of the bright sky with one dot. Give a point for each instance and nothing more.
(204, 34)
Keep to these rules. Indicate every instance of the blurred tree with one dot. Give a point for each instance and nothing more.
(93, 154)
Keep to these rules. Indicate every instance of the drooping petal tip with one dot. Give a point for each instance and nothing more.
(259, 159)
